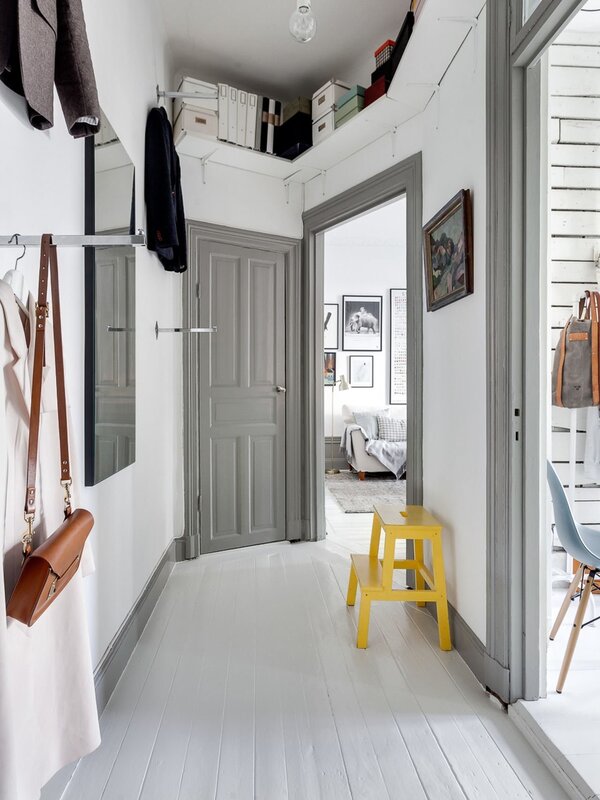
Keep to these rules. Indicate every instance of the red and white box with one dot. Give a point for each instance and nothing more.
(383, 52)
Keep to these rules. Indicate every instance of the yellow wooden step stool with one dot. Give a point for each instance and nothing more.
(375, 575)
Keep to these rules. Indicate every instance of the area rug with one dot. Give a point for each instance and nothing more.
(358, 497)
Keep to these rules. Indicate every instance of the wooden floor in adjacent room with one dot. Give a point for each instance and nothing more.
(247, 684)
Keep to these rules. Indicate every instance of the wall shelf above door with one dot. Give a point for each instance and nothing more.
(439, 33)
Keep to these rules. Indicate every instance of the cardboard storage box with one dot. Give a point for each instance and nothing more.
(324, 127)
(357, 101)
(376, 90)
(348, 97)
(297, 130)
(300, 105)
(196, 121)
(347, 112)
(383, 52)
(325, 99)
(193, 85)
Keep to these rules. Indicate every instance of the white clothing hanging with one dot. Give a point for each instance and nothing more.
(48, 715)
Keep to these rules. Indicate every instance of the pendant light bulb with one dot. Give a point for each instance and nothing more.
(303, 24)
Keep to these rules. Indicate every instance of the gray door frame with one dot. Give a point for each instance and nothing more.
(189, 545)
(515, 646)
(404, 178)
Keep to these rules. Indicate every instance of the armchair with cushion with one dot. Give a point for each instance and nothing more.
(361, 429)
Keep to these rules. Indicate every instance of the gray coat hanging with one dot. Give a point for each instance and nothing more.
(43, 43)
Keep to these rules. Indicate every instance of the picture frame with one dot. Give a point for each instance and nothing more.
(448, 248)
(329, 369)
(398, 373)
(331, 326)
(362, 317)
(361, 372)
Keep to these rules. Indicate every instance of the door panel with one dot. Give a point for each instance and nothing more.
(225, 463)
(242, 416)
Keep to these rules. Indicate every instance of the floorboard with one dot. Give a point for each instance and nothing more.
(247, 685)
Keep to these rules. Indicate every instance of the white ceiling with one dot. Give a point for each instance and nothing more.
(246, 43)
(383, 226)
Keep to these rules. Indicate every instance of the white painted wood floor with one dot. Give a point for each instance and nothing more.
(246, 684)
(568, 723)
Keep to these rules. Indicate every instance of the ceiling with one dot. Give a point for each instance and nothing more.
(384, 226)
(246, 43)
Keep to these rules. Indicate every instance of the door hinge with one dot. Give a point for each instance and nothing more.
(199, 502)
(198, 291)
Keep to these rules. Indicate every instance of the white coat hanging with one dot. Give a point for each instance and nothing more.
(48, 715)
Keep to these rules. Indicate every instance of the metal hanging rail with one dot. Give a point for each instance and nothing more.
(158, 330)
(209, 95)
(69, 240)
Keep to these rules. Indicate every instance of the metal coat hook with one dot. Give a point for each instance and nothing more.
(158, 330)
(15, 236)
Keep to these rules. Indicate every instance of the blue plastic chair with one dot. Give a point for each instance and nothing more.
(583, 544)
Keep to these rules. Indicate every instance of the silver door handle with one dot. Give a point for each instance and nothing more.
(281, 389)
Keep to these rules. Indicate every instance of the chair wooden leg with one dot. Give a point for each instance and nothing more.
(362, 476)
(571, 592)
(583, 602)
(364, 614)
(352, 585)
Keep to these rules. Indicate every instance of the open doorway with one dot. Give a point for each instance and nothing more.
(364, 370)
(567, 718)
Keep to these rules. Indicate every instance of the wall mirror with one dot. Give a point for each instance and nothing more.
(109, 309)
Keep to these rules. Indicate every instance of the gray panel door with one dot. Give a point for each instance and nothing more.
(242, 397)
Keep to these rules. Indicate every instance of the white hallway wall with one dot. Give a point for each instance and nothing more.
(453, 146)
(366, 256)
(138, 511)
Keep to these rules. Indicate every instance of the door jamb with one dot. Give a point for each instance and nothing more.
(404, 178)
(514, 657)
(189, 546)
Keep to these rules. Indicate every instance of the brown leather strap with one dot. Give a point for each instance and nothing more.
(595, 308)
(61, 398)
(562, 344)
(48, 269)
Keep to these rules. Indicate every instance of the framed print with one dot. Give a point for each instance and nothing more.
(448, 245)
(329, 373)
(361, 372)
(362, 322)
(331, 326)
(398, 347)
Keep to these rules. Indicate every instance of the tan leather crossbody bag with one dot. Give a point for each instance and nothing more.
(47, 569)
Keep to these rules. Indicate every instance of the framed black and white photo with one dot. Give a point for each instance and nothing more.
(331, 326)
(398, 347)
(361, 372)
(362, 322)
(329, 371)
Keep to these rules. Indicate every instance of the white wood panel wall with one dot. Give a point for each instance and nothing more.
(574, 82)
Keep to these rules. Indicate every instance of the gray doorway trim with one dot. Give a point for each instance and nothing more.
(189, 547)
(514, 658)
(404, 178)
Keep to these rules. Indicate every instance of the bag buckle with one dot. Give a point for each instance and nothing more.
(67, 487)
(27, 537)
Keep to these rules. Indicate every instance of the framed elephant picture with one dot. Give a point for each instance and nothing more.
(362, 322)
